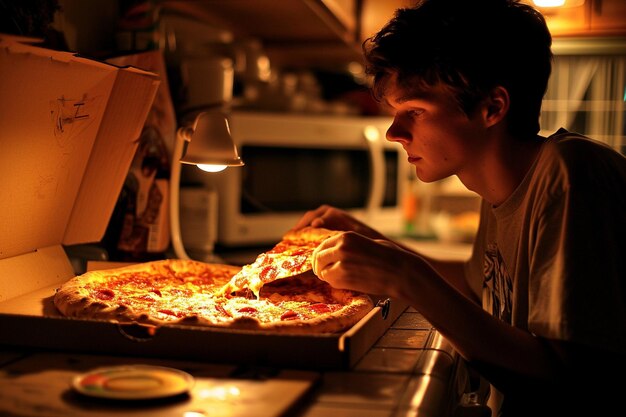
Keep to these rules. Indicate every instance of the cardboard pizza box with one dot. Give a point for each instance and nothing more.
(69, 128)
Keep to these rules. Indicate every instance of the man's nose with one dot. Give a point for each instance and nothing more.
(395, 133)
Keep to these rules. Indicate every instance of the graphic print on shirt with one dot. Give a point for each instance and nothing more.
(498, 284)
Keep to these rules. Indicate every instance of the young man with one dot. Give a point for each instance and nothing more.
(540, 308)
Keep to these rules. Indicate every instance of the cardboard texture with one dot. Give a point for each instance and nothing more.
(68, 128)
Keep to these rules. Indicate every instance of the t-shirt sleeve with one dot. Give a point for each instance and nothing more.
(577, 286)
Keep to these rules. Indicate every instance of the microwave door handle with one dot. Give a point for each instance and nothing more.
(377, 160)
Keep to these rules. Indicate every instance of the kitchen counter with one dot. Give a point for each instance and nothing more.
(410, 370)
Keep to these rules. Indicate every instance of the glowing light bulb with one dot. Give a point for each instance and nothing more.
(549, 3)
(211, 167)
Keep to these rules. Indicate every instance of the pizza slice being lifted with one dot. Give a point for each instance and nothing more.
(291, 256)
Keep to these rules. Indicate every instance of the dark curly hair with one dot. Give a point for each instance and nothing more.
(472, 47)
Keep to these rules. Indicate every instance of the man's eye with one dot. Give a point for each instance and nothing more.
(414, 112)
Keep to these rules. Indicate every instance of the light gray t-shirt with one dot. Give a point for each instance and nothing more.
(552, 258)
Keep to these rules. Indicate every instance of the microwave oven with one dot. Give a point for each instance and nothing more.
(294, 163)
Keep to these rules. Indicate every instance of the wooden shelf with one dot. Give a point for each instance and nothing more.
(323, 33)
(297, 32)
(608, 17)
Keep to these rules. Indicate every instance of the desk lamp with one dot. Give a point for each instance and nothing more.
(212, 150)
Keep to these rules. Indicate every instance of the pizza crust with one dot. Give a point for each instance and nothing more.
(310, 234)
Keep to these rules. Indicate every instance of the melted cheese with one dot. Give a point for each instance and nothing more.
(281, 262)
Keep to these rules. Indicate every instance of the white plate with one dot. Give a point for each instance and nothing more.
(133, 382)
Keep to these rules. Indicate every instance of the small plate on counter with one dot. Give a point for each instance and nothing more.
(133, 382)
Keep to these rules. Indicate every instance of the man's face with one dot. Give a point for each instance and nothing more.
(439, 139)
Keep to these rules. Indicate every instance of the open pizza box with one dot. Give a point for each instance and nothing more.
(69, 128)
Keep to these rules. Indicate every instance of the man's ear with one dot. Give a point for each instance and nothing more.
(496, 105)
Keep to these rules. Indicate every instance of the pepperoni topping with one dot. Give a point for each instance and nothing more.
(247, 310)
(295, 263)
(268, 273)
(177, 314)
(320, 308)
(279, 248)
(301, 252)
(104, 294)
(222, 310)
(289, 315)
(157, 292)
(145, 297)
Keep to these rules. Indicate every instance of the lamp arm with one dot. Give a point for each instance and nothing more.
(177, 240)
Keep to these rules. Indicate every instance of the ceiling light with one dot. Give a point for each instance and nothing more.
(558, 3)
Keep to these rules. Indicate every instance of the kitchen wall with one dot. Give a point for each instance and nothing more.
(586, 91)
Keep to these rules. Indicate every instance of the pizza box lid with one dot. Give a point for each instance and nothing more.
(69, 128)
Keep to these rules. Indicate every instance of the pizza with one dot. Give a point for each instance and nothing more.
(188, 292)
(290, 257)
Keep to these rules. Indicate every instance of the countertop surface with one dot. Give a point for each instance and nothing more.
(410, 370)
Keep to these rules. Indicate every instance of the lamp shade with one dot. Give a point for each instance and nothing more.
(208, 141)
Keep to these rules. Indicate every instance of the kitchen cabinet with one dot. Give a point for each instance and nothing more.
(314, 33)
(375, 13)
(299, 33)
(594, 18)
(608, 17)
(315, 21)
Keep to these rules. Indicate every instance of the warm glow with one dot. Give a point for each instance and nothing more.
(211, 167)
(549, 3)
(219, 392)
(194, 414)
(264, 69)
(371, 133)
(558, 3)
(355, 68)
